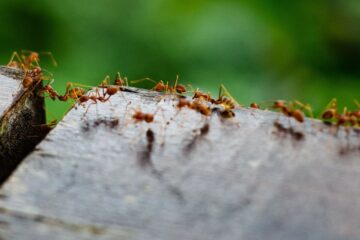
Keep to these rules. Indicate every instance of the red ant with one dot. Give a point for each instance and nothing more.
(201, 108)
(347, 118)
(139, 116)
(203, 96)
(33, 74)
(196, 105)
(120, 81)
(162, 87)
(226, 101)
(71, 92)
(331, 110)
(254, 105)
(50, 91)
(28, 59)
(291, 111)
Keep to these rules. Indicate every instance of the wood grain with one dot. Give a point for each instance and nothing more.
(257, 176)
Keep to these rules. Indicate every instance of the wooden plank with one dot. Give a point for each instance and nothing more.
(21, 114)
(258, 176)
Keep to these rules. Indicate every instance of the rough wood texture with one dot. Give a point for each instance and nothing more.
(21, 114)
(98, 177)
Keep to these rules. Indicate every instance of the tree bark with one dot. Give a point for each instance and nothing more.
(21, 115)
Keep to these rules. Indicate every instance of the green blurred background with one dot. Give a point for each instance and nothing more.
(260, 49)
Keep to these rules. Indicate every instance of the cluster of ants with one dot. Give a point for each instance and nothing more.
(201, 102)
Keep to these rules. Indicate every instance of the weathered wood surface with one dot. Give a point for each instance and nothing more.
(21, 113)
(98, 177)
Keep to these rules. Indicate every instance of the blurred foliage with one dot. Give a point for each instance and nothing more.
(261, 50)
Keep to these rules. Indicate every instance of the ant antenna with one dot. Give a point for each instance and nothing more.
(357, 103)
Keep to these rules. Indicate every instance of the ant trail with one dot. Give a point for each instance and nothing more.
(204, 130)
(145, 161)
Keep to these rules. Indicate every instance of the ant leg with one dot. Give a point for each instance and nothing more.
(19, 59)
(126, 81)
(79, 85)
(331, 105)
(106, 81)
(176, 80)
(87, 109)
(357, 103)
(143, 79)
(53, 60)
(307, 107)
(51, 76)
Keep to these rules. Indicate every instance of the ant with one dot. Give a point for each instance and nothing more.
(162, 87)
(71, 92)
(183, 102)
(346, 118)
(331, 110)
(226, 99)
(139, 116)
(28, 59)
(32, 77)
(290, 109)
(50, 91)
(255, 105)
(201, 108)
(203, 96)
(227, 102)
(120, 81)
(109, 89)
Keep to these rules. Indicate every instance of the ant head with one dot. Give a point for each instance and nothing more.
(279, 104)
(34, 56)
(180, 88)
(254, 105)
(329, 114)
(160, 86)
